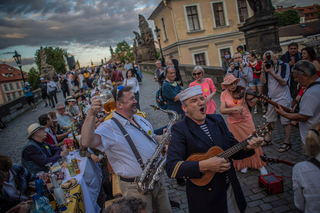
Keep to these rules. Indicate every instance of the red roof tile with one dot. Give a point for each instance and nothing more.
(11, 71)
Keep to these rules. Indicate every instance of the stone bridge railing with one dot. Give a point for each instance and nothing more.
(215, 73)
(12, 109)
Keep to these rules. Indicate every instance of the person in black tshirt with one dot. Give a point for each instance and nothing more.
(44, 92)
(64, 86)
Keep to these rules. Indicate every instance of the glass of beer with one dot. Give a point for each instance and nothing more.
(107, 99)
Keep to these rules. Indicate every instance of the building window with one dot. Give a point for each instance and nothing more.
(219, 14)
(193, 19)
(11, 87)
(311, 8)
(13, 96)
(5, 87)
(18, 86)
(242, 10)
(307, 15)
(200, 59)
(301, 10)
(164, 31)
(8, 97)
(312, 14)
(22, 84)
(20, 94)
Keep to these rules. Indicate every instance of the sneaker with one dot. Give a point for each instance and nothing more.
(35, 109)
(263, 171)
(49, 104)
(264, 110)
(255, 111)
(32, 109)
(244, 170)
(46, 105)
(53, 107)
(174, 205)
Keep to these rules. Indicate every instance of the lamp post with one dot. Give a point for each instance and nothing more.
(17, 58)
(157, 31)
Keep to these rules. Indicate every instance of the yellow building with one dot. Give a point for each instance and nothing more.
(199, 32)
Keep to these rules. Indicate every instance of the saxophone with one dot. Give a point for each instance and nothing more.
(153, 168)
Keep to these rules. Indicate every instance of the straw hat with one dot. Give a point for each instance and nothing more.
(229, 79)
(70, 98)
(33, 128)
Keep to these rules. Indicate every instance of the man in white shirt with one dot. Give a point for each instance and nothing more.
(109, 139)
(52, 89)
(63, 117)
(128, 66)
(279, 92)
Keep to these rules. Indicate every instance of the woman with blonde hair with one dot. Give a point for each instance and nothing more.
(306, 174)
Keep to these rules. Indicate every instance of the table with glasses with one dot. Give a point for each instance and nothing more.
(89, 186)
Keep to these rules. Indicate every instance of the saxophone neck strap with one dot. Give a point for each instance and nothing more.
(130, 142)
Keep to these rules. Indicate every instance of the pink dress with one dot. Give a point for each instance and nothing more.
(207, 88)
(241, 126)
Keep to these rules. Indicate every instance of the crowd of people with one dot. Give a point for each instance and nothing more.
(126, 139)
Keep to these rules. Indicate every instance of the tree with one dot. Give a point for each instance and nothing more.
(124, 51)
(54, 58)
(288, 17)
(34, 78)
(101, 61)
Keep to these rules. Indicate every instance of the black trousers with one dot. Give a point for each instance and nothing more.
(52, 95)
(65, 93)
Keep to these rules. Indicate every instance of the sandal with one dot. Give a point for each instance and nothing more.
(267, 143)
(286, 148)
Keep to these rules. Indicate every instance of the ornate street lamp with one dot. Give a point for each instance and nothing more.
(157, 31)
(17, 58)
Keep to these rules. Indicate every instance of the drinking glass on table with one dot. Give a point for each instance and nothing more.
(107, 99)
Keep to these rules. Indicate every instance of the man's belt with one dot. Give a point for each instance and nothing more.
(127, 179)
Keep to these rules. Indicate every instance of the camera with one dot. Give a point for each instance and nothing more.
(236, 65)
(269, 62)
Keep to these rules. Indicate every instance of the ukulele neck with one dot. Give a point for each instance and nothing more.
(231, 151)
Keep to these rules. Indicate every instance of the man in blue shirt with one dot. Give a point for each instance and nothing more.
(29, 96)
(170, 91)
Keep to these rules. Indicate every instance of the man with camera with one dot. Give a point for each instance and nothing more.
(240, 70)
(277, 74)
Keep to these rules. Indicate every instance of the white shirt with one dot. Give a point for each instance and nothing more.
(119, 153)
(133, 82)
(277, 92)
(309, 106)
(11, 190)
(51, 86)
(305, 178)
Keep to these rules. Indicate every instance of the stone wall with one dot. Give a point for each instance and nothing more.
(215, 73)
(14, 108)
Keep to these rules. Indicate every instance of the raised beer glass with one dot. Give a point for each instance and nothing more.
(107, 99)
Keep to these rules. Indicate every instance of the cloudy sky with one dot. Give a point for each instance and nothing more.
(86, 28)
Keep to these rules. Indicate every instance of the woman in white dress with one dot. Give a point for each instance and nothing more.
(132, 81)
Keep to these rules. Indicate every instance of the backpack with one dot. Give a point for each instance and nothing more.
(55, 78)
(161, 102)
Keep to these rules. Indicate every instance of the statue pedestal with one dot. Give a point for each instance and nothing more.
(262, 34)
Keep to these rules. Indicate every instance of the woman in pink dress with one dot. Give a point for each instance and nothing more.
(207, 87)
(240, 123)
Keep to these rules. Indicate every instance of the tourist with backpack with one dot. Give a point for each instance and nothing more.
(170, 91)
(276, 74)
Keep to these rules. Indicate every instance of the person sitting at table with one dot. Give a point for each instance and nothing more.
(63, 117)
(14, 181)
(37, 153)
(56, 128)
(71, 106)
(46, 121)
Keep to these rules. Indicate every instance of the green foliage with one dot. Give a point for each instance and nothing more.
(158, 55)
(101, 61)
(126, 49)
(288, 17)
(34, 78)
(54, 58)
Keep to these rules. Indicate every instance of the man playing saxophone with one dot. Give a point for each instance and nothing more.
(125, 160)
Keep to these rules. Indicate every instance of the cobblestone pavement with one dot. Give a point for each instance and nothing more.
(13, 138)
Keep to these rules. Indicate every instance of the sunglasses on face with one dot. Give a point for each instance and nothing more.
(119, 88)
(62, 108)
(196, 73)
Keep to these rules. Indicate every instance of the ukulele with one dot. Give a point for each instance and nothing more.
(216, 151)
(275, 160)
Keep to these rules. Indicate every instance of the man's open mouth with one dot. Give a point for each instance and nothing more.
(202, 109)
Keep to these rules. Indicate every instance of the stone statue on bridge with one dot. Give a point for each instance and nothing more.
(261, 8)
(47, 71)
(143, 47)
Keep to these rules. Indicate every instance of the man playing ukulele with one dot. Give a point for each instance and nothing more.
(197, 133)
